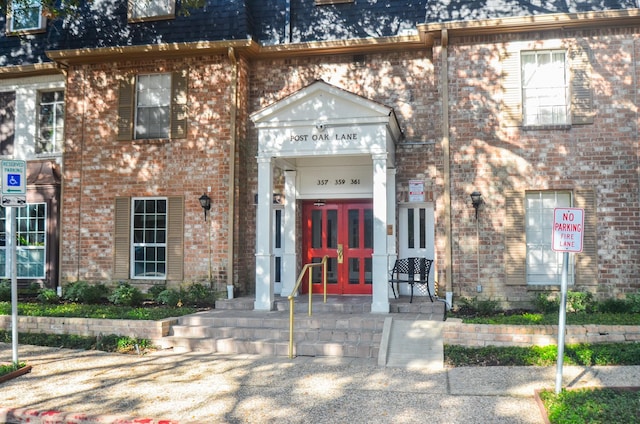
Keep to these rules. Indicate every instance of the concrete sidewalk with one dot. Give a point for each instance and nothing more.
(97, 387)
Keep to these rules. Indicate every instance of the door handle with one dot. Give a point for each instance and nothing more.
(340, 254)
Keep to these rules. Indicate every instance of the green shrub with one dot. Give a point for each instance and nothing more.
(48, 296)
(579, 301)
(199, 295)
(634, 303)
(83, 292)
(5, 291)
(171, 297)
(478, 307)
(126, 295)
(546, 303)
(614, 306)
(155, 290)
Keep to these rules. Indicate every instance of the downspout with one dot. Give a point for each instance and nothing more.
(287, 22)
(232, 166)
(446, 156)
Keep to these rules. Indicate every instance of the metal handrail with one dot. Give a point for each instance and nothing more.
(306, 268)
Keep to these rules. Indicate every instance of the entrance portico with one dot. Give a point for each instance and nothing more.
(330, 145)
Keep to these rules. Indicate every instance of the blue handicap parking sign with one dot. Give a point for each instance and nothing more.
(13, 180)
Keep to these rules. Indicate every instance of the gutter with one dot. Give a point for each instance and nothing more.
(233, 130)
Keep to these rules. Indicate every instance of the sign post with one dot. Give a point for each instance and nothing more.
(568, 230)
(14, 193)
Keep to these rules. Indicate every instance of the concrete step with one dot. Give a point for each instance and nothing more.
(412, 344)
(343, 326)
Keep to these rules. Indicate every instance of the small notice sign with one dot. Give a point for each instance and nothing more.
(568, 229)
(416, 191)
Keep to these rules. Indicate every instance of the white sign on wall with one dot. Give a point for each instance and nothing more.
(416, 191)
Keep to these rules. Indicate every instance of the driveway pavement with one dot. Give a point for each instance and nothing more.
(164, 387)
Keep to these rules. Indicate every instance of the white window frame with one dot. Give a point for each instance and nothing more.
(145, 10)
(139, 241)
(543, 264)
(546, 99)
(23, 9)
(153, 96)
(52, 144)
(31, 240)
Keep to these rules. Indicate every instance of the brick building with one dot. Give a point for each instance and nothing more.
(343, 128)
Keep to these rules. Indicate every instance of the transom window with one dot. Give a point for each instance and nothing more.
(146, 9)
(153, 106)
(26, 15)
(50, 122)
(149, 235)
(544, 265)
(545, 88)
(31, 223)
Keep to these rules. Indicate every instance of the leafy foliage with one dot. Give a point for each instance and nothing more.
(95, 311)
(5, 291)
(8, 368)
(83, 292)
(127, 295)
(108, 343)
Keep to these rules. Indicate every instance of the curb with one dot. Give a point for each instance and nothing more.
(32, 416)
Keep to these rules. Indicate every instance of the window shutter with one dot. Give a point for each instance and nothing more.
(582, 111)
(587, 261)
(512, 97)
(515, 239)
(175, 239)
(121, 244)
(126, 106)
(7, 121)
(179, 104)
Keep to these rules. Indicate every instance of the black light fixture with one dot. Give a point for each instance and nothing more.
(476, 201)
(205, 202)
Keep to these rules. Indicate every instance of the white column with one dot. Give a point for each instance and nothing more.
(380, 301)
(289, 267)
(392, 245)
(264, 259)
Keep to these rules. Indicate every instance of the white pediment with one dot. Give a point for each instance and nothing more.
(321, 102)
(324, 120)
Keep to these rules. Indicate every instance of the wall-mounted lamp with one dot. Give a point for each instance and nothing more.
(476, 201)
(205, 202)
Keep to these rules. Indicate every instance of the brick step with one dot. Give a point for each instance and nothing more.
(271, 347)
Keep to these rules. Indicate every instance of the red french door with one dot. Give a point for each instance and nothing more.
(344, 232)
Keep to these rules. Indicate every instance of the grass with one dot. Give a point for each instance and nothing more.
(9, 368)
(593, 406)
(78, 310)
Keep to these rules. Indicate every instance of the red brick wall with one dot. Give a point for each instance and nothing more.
(97, 167)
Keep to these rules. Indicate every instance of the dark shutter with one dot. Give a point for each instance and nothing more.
(179, 104)
(587, 260)
(175, 239)
(582, 111)
(121, 245)
(7, 122)
(515, 253)
(126, 107)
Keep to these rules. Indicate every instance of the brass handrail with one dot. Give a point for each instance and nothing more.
(306, 268)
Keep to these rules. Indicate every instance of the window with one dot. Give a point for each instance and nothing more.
(50, 122)
(149, 9)
(153, 106)
(543, 264)
(545, 88)
(7, 122)
(149, 235)
(31, 247)
(26, 15)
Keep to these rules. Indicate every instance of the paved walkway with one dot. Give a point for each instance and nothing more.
(98, 387)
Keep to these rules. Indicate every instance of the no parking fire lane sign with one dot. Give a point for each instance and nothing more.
(568, 229)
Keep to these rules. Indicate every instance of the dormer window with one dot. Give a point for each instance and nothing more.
(146, 10)
(26, 16)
